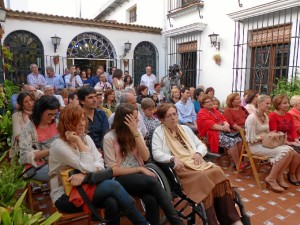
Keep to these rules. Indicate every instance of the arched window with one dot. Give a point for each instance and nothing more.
(145, 53)
(91, 45)
(27, 49)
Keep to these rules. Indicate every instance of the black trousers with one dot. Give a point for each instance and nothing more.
(150, 191)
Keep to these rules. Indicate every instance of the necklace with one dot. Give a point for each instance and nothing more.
(262, 118)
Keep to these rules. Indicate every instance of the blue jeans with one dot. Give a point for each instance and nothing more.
(110, 195)
(42, 174)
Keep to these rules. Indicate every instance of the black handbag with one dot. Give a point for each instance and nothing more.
(31, 171)
(232, 134)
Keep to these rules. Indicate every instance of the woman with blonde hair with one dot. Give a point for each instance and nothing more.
(257, 126)
(175, 95)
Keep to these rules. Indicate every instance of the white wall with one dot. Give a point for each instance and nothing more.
(149, 12)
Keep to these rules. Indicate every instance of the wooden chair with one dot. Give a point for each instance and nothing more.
(246, 153)
(71, 218)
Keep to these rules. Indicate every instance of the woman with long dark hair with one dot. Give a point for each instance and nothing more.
(25, 101)
(124, 148)
(38, 134)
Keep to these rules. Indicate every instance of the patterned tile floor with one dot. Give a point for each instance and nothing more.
(263, 206)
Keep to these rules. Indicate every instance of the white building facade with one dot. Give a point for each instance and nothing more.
(259, 39)
(84, 43)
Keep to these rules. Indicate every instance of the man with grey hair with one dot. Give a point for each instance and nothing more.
(131, 99)
(55, 80)
(34, 78)
(49, 90)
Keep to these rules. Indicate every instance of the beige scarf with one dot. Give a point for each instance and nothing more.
(184, 154)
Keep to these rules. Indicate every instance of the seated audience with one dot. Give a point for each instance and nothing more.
(197, 99)
(109, 101)
(76, 150)
(234, 113)
(213, 127)
(201, 181)
(128, 82)
(99, 97)
(25, 102)
(192, 93)
(148, 107)
(186, 111)
(210, 91)
(217, 105)
(124, 148)
(97, 120)
(175, 95)
(128, 97)
(49, 90)
(256, 126)
(102, 85)
(55, 80)
(38, 134)
(73, 99)
(142, 93)
(35, 78)
(281, 120)
(64, 94)
(85, 79)
(245, 97)
(160, 94)
(251, 101)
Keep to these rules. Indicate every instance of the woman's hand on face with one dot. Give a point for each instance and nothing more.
(147, 172)
(72, 136)
(198, 159)
(132, 124)
(178, 165)
(77, 179)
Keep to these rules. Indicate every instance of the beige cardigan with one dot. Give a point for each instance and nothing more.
(160, 150)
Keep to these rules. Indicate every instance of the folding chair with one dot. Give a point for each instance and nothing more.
(246, 153)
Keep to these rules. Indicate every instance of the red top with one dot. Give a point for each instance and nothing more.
(45, 134)
(237, 117)
(296, 118)
(284, 124)
(205, 121)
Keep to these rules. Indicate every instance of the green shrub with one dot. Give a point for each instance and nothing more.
(289, 87)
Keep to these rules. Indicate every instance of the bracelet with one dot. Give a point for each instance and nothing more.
(136, 135)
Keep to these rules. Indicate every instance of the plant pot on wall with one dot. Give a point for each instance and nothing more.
(56, 60)
(217, 58)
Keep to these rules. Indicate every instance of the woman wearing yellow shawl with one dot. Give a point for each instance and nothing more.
(201, 181)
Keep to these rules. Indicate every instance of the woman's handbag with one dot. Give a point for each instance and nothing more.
(232, 134)
(273, 139)
(31, 171)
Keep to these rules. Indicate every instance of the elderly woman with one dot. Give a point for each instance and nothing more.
(25, 101)
(213, 127)
(295, 112)
(38, 134)
(174, 143)
(74, 149)
(281, 120)
(125, 149)
(235, 113)
(251, 101)
(257, 125)
(175, 95)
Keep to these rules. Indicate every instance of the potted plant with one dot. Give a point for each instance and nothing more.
(56, 59)
(217, 58)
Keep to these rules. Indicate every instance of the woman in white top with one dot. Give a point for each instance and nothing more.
(102, 85)
(251, 101)
(25, 101)
(257, 125)
(118, 84)
(76, 150)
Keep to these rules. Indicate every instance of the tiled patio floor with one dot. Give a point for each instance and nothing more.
(263, 206)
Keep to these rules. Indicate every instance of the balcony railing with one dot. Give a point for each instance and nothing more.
(176, 5)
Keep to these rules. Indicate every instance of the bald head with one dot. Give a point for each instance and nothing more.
(128, 98)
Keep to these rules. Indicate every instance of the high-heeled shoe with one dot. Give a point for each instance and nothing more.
(282, 183)
(295, 183)
(274, 188)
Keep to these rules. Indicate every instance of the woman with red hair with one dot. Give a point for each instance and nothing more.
(74, 149)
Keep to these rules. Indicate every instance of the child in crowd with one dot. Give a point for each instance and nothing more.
(148, 107)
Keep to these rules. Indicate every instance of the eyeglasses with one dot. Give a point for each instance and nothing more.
(171, 115)
(208, 102)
